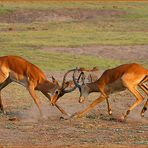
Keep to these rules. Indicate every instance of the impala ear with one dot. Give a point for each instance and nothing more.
(55, 82)
(53, 79)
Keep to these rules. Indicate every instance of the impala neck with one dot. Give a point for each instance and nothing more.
(93, 87)
(47, 86)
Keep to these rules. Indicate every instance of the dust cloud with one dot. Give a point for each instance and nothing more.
(51, 112)
(33, 115)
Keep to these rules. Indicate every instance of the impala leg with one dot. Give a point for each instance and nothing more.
(61, 110)
(138, 96)
(2, 80)
(144, 108)
(90, 107)
(109, 107)
(1, 105)
(3, 85)
(145, 89)
(35, 98)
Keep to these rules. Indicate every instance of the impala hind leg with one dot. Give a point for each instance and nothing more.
(2, 80)
(144, 108)
(1, 105)
(3, 85)
(139, 97)
(145, 89)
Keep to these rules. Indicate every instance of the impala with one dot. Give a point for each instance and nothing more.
(126, 76)
(19, 70)
(61, 91)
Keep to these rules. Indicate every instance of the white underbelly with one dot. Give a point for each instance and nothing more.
(20, 79)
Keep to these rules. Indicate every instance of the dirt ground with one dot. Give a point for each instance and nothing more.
(135, 53)
(97, 128)
(29, 16)
(23, 126)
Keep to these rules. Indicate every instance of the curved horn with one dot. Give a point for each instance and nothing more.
(74, 79)
(82, 76)
(72, 89)
(64, 78)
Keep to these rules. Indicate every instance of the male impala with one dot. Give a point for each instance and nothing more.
(17, 69)
(127, 76)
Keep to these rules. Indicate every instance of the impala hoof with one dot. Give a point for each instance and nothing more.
(66, 117)
(142, 114)
(62, 118)
(110, 112)
(3, 112)
(122, 119)
(69, 115)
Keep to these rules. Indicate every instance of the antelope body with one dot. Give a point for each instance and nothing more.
(19, 70)
(126, 76)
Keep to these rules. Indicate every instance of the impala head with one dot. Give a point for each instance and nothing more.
(56, 85)
(48, 86)
(83, 88)
(63, 89)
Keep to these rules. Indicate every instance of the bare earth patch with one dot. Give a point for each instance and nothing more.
(123, 53)
(96, 129)
(66, 14)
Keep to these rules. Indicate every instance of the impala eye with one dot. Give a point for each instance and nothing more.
(57, 92)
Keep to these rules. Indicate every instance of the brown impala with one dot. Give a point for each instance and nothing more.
(127, 76)
(19, 70)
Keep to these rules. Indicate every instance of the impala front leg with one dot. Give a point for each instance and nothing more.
(90, 107)
(1, 105)
(61, 110)
(35, 98)
(109, 107)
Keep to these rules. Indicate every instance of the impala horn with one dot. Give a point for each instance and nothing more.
(74, 79)
(63, 91)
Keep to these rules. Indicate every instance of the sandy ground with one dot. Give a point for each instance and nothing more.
(97, 128)
(23, 126)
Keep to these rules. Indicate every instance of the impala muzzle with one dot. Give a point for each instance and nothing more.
(81, 99)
